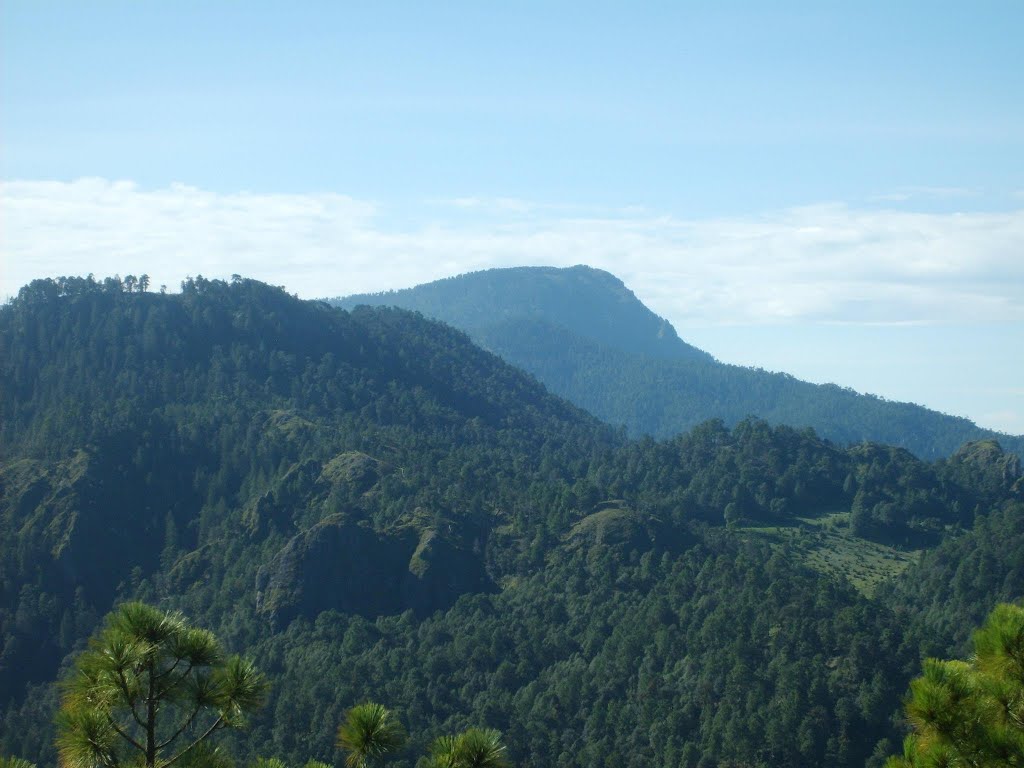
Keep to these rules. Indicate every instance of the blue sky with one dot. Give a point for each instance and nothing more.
(781, 180)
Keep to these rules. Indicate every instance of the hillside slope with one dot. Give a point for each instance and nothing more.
(373, 507)
(589, 339)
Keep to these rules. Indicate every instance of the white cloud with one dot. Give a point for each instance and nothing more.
(903, 194)
(499, 204)
(823, 263)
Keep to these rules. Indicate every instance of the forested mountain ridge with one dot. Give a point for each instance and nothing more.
(589, 339)
(589, 303)
(375, 508)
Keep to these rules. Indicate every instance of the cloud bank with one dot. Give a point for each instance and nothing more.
(828, 263)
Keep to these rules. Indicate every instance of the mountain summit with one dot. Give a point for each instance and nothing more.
(587, 302)
(586, 336)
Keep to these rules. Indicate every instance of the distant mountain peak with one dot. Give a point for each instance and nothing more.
(584, 334)
(590, 303)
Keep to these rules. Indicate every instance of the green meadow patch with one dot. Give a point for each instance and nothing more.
(826, 544)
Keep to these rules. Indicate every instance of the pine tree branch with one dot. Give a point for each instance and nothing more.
(169, 686)
(128, 697)
(125, 735)
(170, 669)
(211, 729)
(186, 724)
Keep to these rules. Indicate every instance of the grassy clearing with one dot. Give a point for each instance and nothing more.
(825, 544)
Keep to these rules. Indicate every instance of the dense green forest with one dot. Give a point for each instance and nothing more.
(586, 337)
(373, 508)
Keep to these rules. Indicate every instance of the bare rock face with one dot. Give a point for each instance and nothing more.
(75, 508)
(994, 469)
(438, 571)
(347, 566)
(353, 468)
(336, 560)
(616, 526)
(310, 491)
(986, 453)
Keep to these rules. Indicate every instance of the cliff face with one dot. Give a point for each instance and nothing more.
(76, 510)
(990, 467)
(335, 558)
(349, 567)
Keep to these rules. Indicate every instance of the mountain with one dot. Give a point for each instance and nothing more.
(373, 507)
(589, 339)
(586, 302)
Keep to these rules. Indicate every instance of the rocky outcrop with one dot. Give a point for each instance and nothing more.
(993, 469)
(619, 527)
(342, 565)
(309, 491)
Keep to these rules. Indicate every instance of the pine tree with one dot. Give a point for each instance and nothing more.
(370, 733)
(971, 713)
(148, 690)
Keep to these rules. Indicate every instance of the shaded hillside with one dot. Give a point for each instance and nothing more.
(376, 508)
(586, 336)
(947, 593)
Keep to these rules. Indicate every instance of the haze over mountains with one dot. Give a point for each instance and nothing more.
(587, 337)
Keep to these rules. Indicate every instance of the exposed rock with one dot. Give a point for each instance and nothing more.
(347, 566)
(618, 527)
(991, 465)
(354, 468)
(310, 491)
(439, 571)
